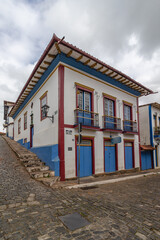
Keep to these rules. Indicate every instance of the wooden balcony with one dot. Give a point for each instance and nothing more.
(130, 126)
(87, 118)
(111, 122)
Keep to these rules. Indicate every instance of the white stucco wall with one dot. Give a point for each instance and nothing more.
(10, 126)
(144, 125)
(156, 112)
(70, 105)
(45, 132)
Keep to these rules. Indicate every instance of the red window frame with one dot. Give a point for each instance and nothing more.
(106, 96)
(86, 89)
(129, 105)
(19, 126)
(25, 120)
(41, 98)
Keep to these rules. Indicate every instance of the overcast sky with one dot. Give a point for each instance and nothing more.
(123, 33)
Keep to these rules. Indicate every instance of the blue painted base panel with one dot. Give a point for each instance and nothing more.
(47, 154)
(146, 160)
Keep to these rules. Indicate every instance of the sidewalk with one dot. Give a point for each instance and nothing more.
(91, 181)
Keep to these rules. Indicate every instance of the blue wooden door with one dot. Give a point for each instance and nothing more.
(110, 157)
(84, 104)
(109, 113)
(128, 155)
(146, 160)
(85, 158)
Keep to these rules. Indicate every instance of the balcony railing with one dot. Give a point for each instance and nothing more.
(111, 122)
(156, 131)
(130, 126)
(87, 118)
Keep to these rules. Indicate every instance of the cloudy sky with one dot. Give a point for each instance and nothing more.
(123, 33)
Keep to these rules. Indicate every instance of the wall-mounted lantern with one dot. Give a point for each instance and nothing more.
(45, 109)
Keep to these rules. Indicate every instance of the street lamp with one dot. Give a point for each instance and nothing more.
(45, 109)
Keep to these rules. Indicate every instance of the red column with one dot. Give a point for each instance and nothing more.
(61, 121)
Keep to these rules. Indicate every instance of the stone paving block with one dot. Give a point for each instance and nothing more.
(116, 211)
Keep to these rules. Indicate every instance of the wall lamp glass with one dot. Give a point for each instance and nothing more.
(45, 109)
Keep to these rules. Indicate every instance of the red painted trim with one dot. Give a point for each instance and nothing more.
(61, 121)
(116, 149)
(111, 130)
(133, 154)
(88, 127)
(127, 132)
(139, 139)
(93, 152)
(69, 126)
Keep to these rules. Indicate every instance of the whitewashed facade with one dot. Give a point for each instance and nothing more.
(79, 88)
(9, 123)
(149, 116)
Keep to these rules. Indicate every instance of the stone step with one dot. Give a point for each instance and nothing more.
(30, 160)
(50, 181)
(26, 156)
(33, 164)
(37, 168)
(41, 174)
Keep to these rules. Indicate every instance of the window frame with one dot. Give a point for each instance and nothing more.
(131, 110)
(25, 123)
(41, 99)
(85, 89)
(19, 126)
(109, 97)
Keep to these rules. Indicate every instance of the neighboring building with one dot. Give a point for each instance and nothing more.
(8, 124)
(79, 88)
(149, 115)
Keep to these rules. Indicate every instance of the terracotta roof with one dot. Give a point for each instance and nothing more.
(55, 47)
(147, 147)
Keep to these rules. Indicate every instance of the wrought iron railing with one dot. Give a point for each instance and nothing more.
(130, 126)
(111, 122)
(87, 118)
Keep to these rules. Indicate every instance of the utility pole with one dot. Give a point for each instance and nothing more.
(79, 142)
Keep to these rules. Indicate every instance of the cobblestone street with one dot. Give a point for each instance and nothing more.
(29, 210)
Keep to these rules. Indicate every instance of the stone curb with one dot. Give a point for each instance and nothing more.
(110, 181)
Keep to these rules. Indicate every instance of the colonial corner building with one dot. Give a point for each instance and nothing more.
(67, 87)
